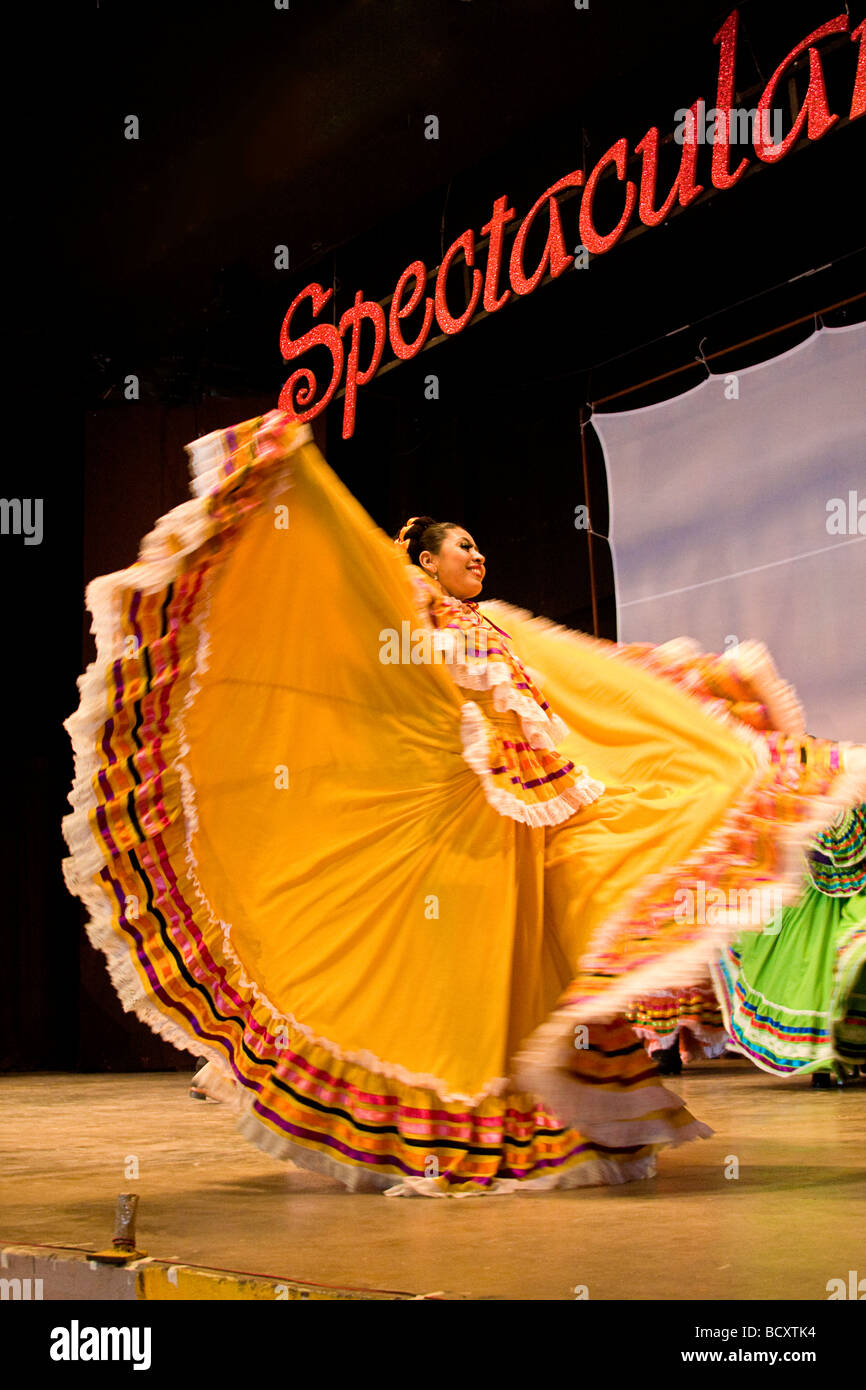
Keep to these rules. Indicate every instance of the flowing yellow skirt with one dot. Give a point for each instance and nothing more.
(293, 870)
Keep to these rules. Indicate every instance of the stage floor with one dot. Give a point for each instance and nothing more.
(791, 1220)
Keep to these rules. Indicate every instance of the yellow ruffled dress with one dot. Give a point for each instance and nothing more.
(332, 835)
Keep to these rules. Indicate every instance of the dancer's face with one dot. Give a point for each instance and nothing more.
(459, 566)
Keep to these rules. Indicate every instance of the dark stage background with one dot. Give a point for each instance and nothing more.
(306, 128)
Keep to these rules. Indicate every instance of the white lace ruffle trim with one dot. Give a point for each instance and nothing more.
(477, 738)
(595, 1172)
(542, 729)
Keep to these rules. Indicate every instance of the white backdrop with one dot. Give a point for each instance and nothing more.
(720, 527)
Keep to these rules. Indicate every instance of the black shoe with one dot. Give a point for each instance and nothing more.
(823, 1081)
(670, 1063)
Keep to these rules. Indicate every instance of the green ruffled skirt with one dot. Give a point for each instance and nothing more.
(794, 999)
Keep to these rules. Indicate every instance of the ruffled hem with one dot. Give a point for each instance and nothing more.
(599, 1172)
(783, 1059)
(786, 1041)
(591, 1168)
(692, 1040)
(558, 1157)
(580, 790)
(690, 1020)
(594, 1172)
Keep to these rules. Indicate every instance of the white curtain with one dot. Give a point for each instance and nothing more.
(734, 514)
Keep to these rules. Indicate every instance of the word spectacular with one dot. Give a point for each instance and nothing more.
(298, 396)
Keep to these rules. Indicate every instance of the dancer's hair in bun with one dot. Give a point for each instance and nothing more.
(423, 533)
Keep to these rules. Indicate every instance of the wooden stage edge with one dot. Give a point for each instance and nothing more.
(55, 1273)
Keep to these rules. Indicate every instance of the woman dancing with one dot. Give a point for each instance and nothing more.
(794, 995)
(680, 1025)
(395, 863)
(791, 997)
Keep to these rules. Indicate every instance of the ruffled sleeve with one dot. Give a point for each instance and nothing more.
(837, 857)
(524, 777)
